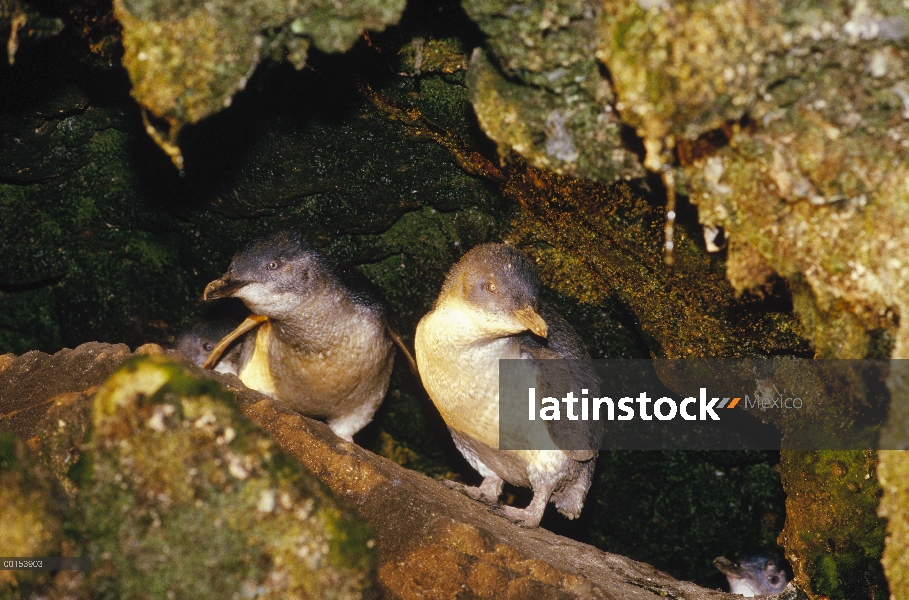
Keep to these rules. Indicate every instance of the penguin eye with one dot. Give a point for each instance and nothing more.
(272, 266)
(491, 287)
(208, 346)
(775, 579)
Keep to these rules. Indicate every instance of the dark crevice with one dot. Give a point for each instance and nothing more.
(28, 286)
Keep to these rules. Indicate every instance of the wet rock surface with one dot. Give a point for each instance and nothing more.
(432, 542)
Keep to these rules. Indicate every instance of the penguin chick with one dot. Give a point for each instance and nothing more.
(486, 311)
(325, 349)
(199, 339)
(755, 575)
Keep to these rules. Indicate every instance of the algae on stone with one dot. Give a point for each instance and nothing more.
(181, 495)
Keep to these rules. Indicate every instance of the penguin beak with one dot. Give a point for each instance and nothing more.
(727, 567)
(530, 319)
(222, 288)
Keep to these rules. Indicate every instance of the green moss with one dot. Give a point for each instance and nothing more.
(29, 320)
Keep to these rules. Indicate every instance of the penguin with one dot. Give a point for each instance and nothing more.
(754, 575)
(322, 345)
(199, 340)
(489, 309)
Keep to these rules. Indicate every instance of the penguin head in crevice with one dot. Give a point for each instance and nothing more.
(755, 575)
(499, 287)
(275, 274)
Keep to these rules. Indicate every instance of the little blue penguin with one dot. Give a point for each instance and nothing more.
(323, 347)
(754, 575)
(489, 309)
(199, 339)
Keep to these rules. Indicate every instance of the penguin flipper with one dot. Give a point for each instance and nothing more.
(581, 439)
(251, 322)
(396, 338)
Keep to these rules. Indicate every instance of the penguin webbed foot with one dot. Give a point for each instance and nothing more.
(529, 517)
(487, 492)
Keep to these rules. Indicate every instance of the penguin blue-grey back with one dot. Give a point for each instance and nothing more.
(325, 349)
(489, 309)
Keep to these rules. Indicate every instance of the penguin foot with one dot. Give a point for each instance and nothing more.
(476, 493)
(523, 517)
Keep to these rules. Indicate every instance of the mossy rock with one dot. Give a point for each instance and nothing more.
(187, 60)
(179, 495)
(833, 535)
(31, 517)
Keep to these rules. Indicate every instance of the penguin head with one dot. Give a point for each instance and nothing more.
(198, 340)
(755, 574)
(274, 274)
(499, 286)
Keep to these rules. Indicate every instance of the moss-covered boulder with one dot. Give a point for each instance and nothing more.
(179, 495)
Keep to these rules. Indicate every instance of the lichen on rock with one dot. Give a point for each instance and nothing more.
(894, 506)
(188, 59)
(543, 95)
(810, 170)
